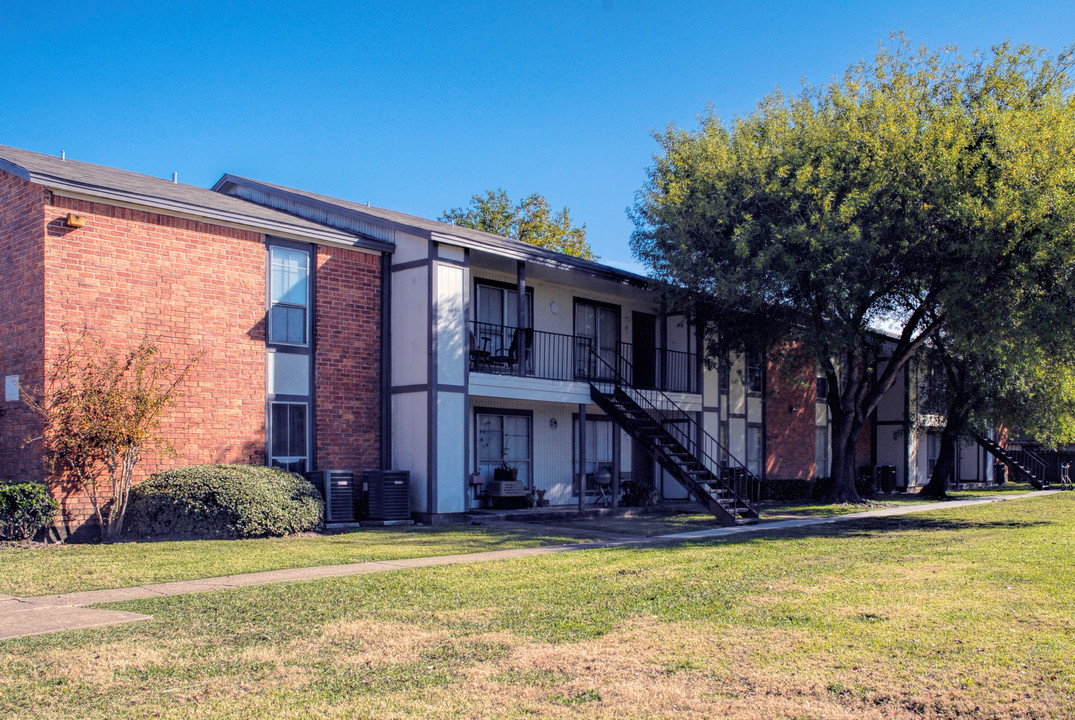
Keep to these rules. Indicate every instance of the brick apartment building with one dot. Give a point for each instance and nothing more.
(285, 314)
(309, 359)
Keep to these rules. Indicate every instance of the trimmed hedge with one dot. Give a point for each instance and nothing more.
(225, 501)
(25, 508)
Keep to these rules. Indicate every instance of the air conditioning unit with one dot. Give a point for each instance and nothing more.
(337, 488)
(386, 495)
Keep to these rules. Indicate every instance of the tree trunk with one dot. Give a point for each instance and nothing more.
(844, 438)
(946, 458)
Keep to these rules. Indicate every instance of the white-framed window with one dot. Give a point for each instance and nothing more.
(289, 296)
(289, 439)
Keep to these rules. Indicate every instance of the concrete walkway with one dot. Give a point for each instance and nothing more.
(21, 617)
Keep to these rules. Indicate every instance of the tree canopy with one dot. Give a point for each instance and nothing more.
(860, 218)
(530, 220)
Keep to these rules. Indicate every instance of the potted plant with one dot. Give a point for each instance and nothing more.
(505, 472)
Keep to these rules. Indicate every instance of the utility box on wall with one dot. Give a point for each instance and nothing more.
(386, 495)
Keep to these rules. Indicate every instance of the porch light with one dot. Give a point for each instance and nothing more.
(74, 221)
(553, 423)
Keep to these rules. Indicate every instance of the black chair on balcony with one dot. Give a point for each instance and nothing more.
(519, 350)
(479, 356)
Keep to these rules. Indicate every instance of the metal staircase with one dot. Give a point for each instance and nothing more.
(1023, 463)
(721, 483)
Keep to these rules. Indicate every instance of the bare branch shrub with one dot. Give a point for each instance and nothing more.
(101, 411)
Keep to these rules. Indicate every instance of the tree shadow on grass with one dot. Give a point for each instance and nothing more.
(871, 527)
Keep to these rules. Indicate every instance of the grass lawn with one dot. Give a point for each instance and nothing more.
(965, 612)
(68, 568)
(651, 525)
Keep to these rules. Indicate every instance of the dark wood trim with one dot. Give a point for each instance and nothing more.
(407, 389)
(386, 361)
(431, 397)
(411, 264)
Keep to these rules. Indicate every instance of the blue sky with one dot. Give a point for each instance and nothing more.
(417, 106)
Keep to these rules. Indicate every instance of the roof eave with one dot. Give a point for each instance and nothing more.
(476, 240)
(156, 203)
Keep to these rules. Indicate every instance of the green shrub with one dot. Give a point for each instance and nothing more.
(225, 501)
(25, 508)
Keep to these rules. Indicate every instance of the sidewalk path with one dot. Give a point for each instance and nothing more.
(21, 617)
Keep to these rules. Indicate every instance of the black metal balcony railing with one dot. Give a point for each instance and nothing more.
(504, 350)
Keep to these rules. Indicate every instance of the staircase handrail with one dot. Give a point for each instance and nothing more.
(1032, 461)
(712, 465)
(1023, 459)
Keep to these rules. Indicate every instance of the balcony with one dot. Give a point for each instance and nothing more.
(503, 350)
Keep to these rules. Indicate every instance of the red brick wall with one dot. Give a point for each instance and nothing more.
(348, 359)
(789, 422)
(22, 318)
(192, 288)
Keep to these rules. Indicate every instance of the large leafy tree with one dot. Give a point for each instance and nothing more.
(1028, 389)
(1010, 368)
(889, 198)
(530, 220)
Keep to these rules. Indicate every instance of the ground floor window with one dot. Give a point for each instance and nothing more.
(598, 450)
(723, 440)
(503, 439)
(821, 451)
(288, 437)
(754, 449)
(933, 451)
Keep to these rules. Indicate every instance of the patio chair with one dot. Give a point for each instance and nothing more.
(521, 342)
(479, 356)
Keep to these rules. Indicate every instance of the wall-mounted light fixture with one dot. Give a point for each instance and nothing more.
(791, 409)
(552, 423)
(75, 221)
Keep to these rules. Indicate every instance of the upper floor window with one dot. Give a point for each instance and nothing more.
(724, 371)
(499, 305)
(754, 372)
(289, 295)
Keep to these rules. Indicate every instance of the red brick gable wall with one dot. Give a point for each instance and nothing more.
(790, 423)
(193, 288)
(347, 362)
(22, 318)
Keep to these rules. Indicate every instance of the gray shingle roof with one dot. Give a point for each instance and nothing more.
(352, 214)
(111, 184)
